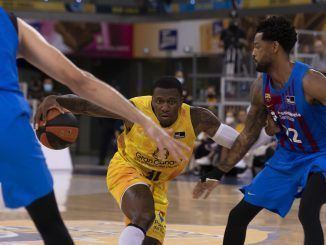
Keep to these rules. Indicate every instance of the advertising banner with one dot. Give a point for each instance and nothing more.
(89, 39)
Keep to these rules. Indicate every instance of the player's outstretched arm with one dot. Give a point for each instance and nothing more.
(36, 50)
(255, 121)
(74, 104)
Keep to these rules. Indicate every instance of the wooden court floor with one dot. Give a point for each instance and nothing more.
(93, 217)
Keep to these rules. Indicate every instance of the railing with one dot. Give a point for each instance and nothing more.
(234, 95)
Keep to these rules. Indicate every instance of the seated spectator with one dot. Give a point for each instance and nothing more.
(211, 98)
(241, 119)
(206, 154)
(319, 61)
(229, 119)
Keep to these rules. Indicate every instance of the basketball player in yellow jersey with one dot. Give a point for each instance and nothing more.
(138, 173)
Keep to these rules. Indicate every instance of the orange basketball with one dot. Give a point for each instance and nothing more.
(60, 131)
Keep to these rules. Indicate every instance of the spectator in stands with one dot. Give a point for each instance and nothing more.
(187, 98)
(211, 98)
(234, 41)
(35, 90)
(319, 62)
(241, 119)
(229, 119)
(48, 87)
(206, 154)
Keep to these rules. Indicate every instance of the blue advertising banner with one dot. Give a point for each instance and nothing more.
(168, 39)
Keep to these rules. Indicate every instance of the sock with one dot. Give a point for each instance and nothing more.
(131, 235)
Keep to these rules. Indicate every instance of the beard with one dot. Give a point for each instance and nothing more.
(262, 67)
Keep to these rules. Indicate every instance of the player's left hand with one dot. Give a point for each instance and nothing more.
(48, 103)
(204, 188)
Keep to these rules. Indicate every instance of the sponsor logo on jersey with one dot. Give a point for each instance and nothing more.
(165, 154)
(268, 97)
(155, 161)
(290, 100)
(179, 135)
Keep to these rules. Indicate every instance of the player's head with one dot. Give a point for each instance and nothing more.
(167, 100)
(275, 36)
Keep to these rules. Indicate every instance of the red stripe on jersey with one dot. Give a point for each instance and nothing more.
(295, 109)
(287, 137)
(282, 139)
(290, 92)
(269, 103)
(308, 135)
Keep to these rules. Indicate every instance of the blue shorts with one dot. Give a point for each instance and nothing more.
(283, 179)
(24, 175)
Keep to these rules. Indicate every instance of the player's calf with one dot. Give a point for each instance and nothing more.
(138, 205)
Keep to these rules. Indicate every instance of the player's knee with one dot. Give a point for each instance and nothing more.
(144, 219)
(236, 218)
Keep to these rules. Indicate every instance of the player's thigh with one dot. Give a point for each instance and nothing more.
(314, 193)
(121, 176)
(24, 173)
(273, 190)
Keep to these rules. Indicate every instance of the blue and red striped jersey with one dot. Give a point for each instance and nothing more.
(303, 125)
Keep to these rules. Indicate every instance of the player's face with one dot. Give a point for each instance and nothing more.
(166, 104)
(262, 53)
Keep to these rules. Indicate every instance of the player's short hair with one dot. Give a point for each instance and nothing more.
(168, 82)
(278, 28)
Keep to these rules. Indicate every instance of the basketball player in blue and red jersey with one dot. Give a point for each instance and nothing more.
(295, 97)
(24, 176)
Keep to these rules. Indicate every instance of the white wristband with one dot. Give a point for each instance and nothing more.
(225, 136)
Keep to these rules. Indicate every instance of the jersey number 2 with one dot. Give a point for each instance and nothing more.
(295, 137)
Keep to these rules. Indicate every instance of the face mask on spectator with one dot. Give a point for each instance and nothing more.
(48, 87)
(181, 79)
(229, 120)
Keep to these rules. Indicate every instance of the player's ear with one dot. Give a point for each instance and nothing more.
(276, 46)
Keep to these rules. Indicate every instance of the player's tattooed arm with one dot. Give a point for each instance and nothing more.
(77, 105)
(255, 121)
(203, 120)
(314, 86)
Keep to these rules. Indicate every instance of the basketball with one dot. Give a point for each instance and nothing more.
(61, 130)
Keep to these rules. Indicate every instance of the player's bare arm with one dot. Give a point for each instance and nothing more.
(314, 86)
(78, 106)
(36, 50)
(203, 120)
(255, 121)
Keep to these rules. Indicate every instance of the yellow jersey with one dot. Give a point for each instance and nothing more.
(141, 151)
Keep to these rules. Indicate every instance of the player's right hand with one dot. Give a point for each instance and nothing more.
(271, 127)
(204, 188)
(164, 140)
(48, 103)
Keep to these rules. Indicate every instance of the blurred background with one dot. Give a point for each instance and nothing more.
(206, 44)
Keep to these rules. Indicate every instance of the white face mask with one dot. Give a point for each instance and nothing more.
(181, 79)
(229, 120)
(47, 87)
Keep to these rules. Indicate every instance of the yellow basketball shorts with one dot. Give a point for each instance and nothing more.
(122, 175)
